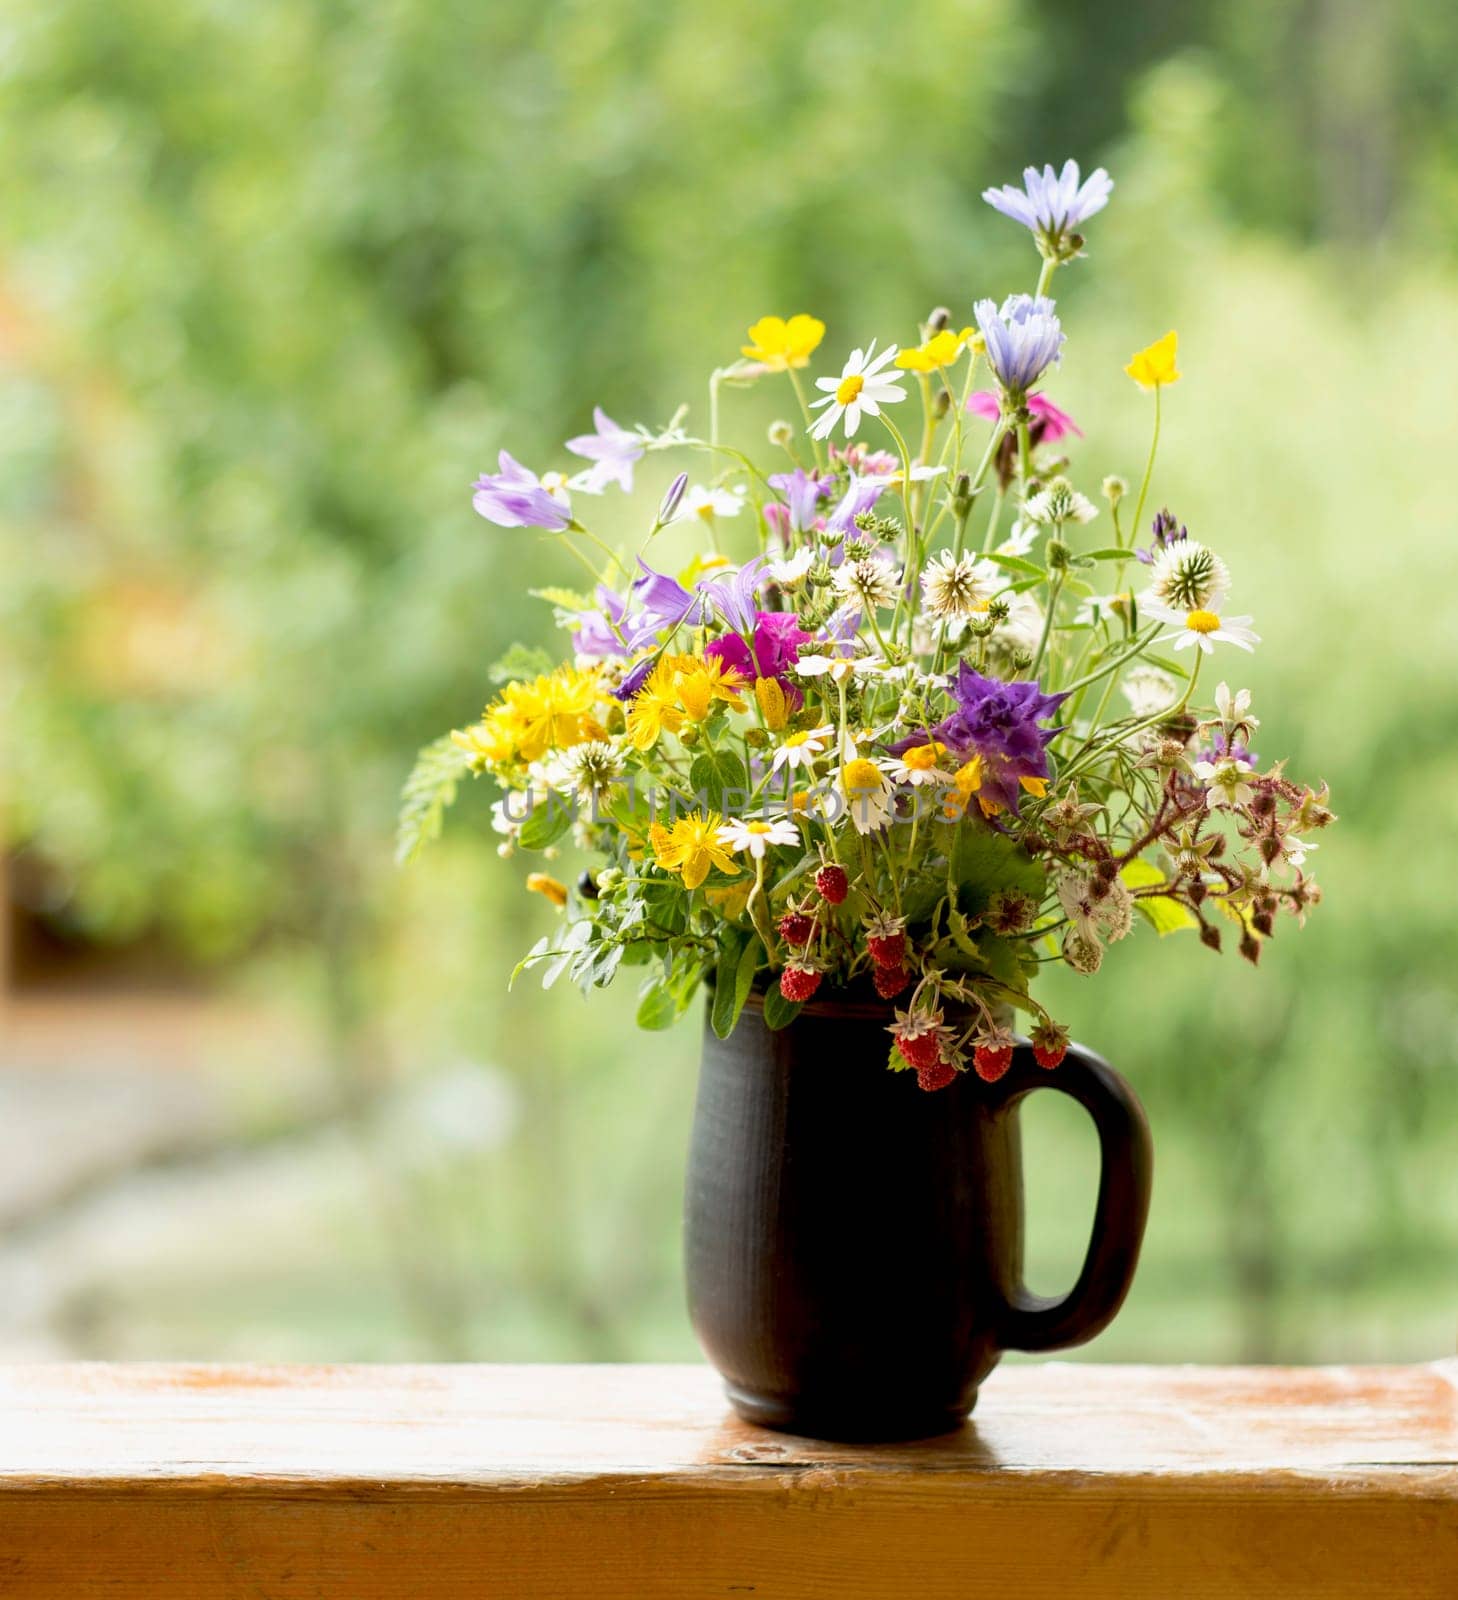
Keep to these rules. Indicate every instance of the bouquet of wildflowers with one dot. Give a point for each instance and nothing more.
(922, 716)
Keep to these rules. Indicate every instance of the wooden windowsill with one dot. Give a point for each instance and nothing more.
(550, 1483)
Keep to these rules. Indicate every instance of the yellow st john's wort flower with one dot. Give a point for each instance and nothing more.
(550, 888)
(552, 712)
(702, 681)
(655, 709)
(1154, 366)
(691, 846)
(941, 350)
(780, 345)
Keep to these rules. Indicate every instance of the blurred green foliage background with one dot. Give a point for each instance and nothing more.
(279, 277)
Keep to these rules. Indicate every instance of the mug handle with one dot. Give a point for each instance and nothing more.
(1034, 1322)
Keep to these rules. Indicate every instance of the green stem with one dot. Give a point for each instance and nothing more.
(799, 389)
(1138, 522)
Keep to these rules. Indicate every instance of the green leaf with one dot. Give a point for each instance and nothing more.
(549, 820)
(1108, 555)
(520, 661)
(1016, 564)
(568, 599)
(717, 773)
(740, 953)
(429, 789)
(779, 1012)
(657, 1005)
(985, 861)
(1163, 912)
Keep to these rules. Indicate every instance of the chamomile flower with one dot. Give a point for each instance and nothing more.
(872, 583)
(793, 570)
(801, 749)
(1185, 576)
(756, 834)
(839, 669)
(868, 794)
(922, 764)
(959, 586)
(1020, 540)
(707, 504)
(862, 389)
(1224, 781)
(1203, 629)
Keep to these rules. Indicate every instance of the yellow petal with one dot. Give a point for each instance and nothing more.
(1154, 366)
(544, 884)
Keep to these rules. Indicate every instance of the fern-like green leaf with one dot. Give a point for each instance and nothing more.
(429, 789)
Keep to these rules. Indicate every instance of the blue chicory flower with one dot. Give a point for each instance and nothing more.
(1023, 339)
(1053, 204)
(514, 498)
(612, 451)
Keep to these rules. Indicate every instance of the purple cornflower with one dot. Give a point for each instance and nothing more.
(803, 491)
(1053, 205)
(612, 451)
(1164, 532)
(997, 722)
(1023, 339)
(515, 498)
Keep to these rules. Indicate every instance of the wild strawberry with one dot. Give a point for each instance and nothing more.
(890, 981)
(796, 927)
(833, 884)
(992, 1060)
(936, 1076)
(1050, 1044)
(920, 1050)
(886, 940)
(799, 983)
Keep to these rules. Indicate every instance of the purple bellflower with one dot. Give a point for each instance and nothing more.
(514, 498)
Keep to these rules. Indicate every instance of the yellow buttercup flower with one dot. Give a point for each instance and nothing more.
(1155, 366)
(780, 345)
(941, 350)
(691, 847)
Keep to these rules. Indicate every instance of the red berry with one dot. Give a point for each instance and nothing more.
(833, 884)
(937, 1076)
(887, 951)
(1049, 1056)
(919, 1050)
(796, 927)
(799, 983)
(890, 981)
(991, 1063)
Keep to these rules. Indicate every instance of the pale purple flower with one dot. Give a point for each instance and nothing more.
(1053, 204)
(861, 495)
(598, 631)
(673, 496)
(515, 498)
(1023, 339)
(733, 594)
(612, 451)
(660, 602)
(803, 491)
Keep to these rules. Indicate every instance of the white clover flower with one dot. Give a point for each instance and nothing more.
(873, 583)
(1186, 576)
(1060, 502)
(862, 388)
(958, 586)
(1148, 690)
(592, 767)
(756, 834)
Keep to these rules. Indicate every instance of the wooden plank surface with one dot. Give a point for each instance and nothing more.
(559, 1482)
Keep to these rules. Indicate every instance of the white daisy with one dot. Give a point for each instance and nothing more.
(921, 764)
(1020, 540)
(1099, 608)
(801, 749)
(1204, 629)
(756, 834)
(839, 669)
(793, 569)
(920, 473)
(699, 501)
(868, 794)
(862, 388)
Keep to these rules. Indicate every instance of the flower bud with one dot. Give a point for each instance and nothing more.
(1058, 555)
(943, 403)
(672, 498)
(688, 737)
(781, 434)
(939, 320)
(1209, 936)
(1114, 489)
